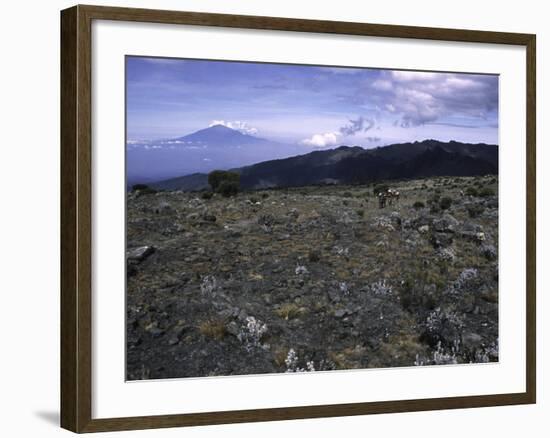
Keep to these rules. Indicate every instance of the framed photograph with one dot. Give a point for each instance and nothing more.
(269, 218)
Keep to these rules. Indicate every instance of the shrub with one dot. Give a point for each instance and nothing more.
(217, 177)
(226, 183)
(289, 311)
(360, 212)
(228, 188)
(418, 205)
(213, 328)
(313, 256)
(475, 210)
(143, 188)
(471, 191)
(207, 195)
(486, 191)
(445, 203)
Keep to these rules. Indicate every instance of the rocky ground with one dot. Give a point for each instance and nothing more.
(313, 278)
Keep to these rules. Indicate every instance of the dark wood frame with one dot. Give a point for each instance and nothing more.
(76, 299)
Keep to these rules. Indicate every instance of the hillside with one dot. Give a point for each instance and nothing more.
(355, 165)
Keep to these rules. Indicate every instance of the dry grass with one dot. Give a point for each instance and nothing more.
(290, 311)
(213, 328)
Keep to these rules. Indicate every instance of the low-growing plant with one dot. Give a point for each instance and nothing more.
(418, 205)
(143, 189)
(213, 328)
(207, 195)
(445, 203)
(486, 191)
(313, 255)
(289, 311)
(471, 191)
(475, 210)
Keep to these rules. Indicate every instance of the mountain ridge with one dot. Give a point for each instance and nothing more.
(355, 165)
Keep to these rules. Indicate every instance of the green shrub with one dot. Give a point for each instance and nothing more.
(486, 191)
(475, 210)
(216, 177)
(207, 195)
(360, 212)
(445, 203)
(224, 182)
(471, 191)
(314, 255)
(433, 200)
(143, 189)
(418, 205)
(228, 188)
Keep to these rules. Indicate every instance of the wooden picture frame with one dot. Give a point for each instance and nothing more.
(76, 217)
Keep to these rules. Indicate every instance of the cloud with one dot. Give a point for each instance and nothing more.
(322, 140)
(243, 127)
(418, 98)
(373, 139)
(340, 70)
(362, 124)
(162, 61)
(382, 84)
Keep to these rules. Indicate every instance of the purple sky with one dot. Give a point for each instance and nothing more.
(316, 107)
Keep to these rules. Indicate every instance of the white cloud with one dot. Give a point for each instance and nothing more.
(382, 85)
(321, 140)
(419, 98)
(340, 70)
(414, 76)
(243, 127)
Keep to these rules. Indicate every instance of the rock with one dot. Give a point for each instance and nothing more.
(233, 328)
(340, 313)
(301, 270)
(441, 240)
(163, 208)
(266, 220)
(192, 217)
(446, 254)
(396, 220)
(423, 229)
(447, 224)
(489, 251)
(471, 341)
(139, 254)
(335, 295)
(154, 329)
(131, 269)
(173, 340)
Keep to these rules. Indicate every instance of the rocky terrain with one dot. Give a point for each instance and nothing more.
(311, 279)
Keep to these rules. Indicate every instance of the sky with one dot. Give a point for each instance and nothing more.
(312, 106)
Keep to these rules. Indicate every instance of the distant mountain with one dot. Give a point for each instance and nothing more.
(355, 165)
(216, 147)
(220, 136)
